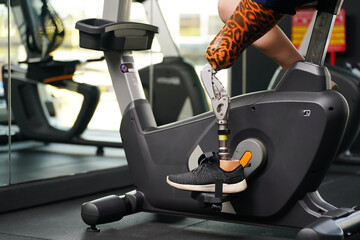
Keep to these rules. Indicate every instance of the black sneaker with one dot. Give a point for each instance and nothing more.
(202, 178)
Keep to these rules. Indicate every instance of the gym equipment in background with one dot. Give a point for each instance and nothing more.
(42, 32)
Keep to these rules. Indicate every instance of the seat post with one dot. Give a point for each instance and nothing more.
(124, 75)
(321, 33)
(320, 38)
(117, 10)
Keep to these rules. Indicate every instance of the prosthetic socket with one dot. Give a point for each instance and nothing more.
(249, 22)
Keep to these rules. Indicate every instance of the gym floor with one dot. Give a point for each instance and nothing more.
(62, 220)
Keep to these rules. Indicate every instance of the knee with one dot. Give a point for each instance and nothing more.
(226, 8)
(223, 11)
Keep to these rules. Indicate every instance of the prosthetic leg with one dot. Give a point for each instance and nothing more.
(241, 30)
(248, 22)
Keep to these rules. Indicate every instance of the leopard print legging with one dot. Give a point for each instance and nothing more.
(249, 22)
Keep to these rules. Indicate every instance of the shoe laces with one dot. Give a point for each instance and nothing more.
(213, 160)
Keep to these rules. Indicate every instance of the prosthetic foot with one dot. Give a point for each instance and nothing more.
(215, 168)
(204, 177)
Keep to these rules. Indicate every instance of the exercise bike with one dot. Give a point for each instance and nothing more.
(293, 133)
(42, 32)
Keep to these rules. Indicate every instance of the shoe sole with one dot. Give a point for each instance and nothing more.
(227, 188)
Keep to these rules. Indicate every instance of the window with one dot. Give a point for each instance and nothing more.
(189, 25)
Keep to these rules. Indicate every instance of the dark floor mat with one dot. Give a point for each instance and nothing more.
(53, 160)
(62, 221)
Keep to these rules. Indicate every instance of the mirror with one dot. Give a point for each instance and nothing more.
(65, 115)
(4, 126)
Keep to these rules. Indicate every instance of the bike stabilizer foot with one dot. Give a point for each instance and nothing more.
(110, 209)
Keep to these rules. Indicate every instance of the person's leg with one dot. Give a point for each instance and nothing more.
(274, 43)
